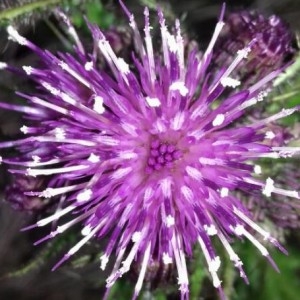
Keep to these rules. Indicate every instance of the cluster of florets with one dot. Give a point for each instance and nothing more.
(143, 152)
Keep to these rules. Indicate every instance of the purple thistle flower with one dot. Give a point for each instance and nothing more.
(140, 152)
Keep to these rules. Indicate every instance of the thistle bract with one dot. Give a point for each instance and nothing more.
(143, 152)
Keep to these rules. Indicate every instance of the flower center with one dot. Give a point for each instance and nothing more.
(161, 155)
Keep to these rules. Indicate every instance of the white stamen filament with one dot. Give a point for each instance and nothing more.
(178, 121)
(183, 280)
(212, 266)
(74, 249)
(37, 172)
(218, 120)
(165, 185)
(55, 216)
(73, 73)
(145, 262)
(153, 102)
(269, 187)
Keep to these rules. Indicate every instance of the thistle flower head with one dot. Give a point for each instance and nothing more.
(144, 153)
(275, 44)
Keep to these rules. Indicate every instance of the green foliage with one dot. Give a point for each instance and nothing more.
(265, 282)
(287, 93)
(95, 12)
(198, 273)
(122, 289)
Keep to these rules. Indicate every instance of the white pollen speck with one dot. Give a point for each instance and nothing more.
(88, 66)
(269, 187)
(216, 282)
(228, 81)
(270, 135)
(48, 193)
(123, 66)
(30, 172)
(15, 36)
(27, 69)
(214, 264)
(210, 229)
(274, 21)
(170, 221)
(98, 105)
(173, 46)
(93, 158)
(218, 120)
(244, 52)
(63, 65)
(224, 192)
(1, 159)
(86, 230)
(153, 102)
(104, 261)
(60, 133)
(166, 258)
(24, 129)
(257, 169)
(3, 65)
(260, 97)
(239, 230)
(180, 87)
(36, 159)
(84, 196)
(136, 236)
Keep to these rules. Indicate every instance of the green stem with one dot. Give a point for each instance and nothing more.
(13, 12)
(286, 95)
(32, 265)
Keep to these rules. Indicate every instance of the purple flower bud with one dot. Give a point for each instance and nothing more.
(18, 193)
(274, 45)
